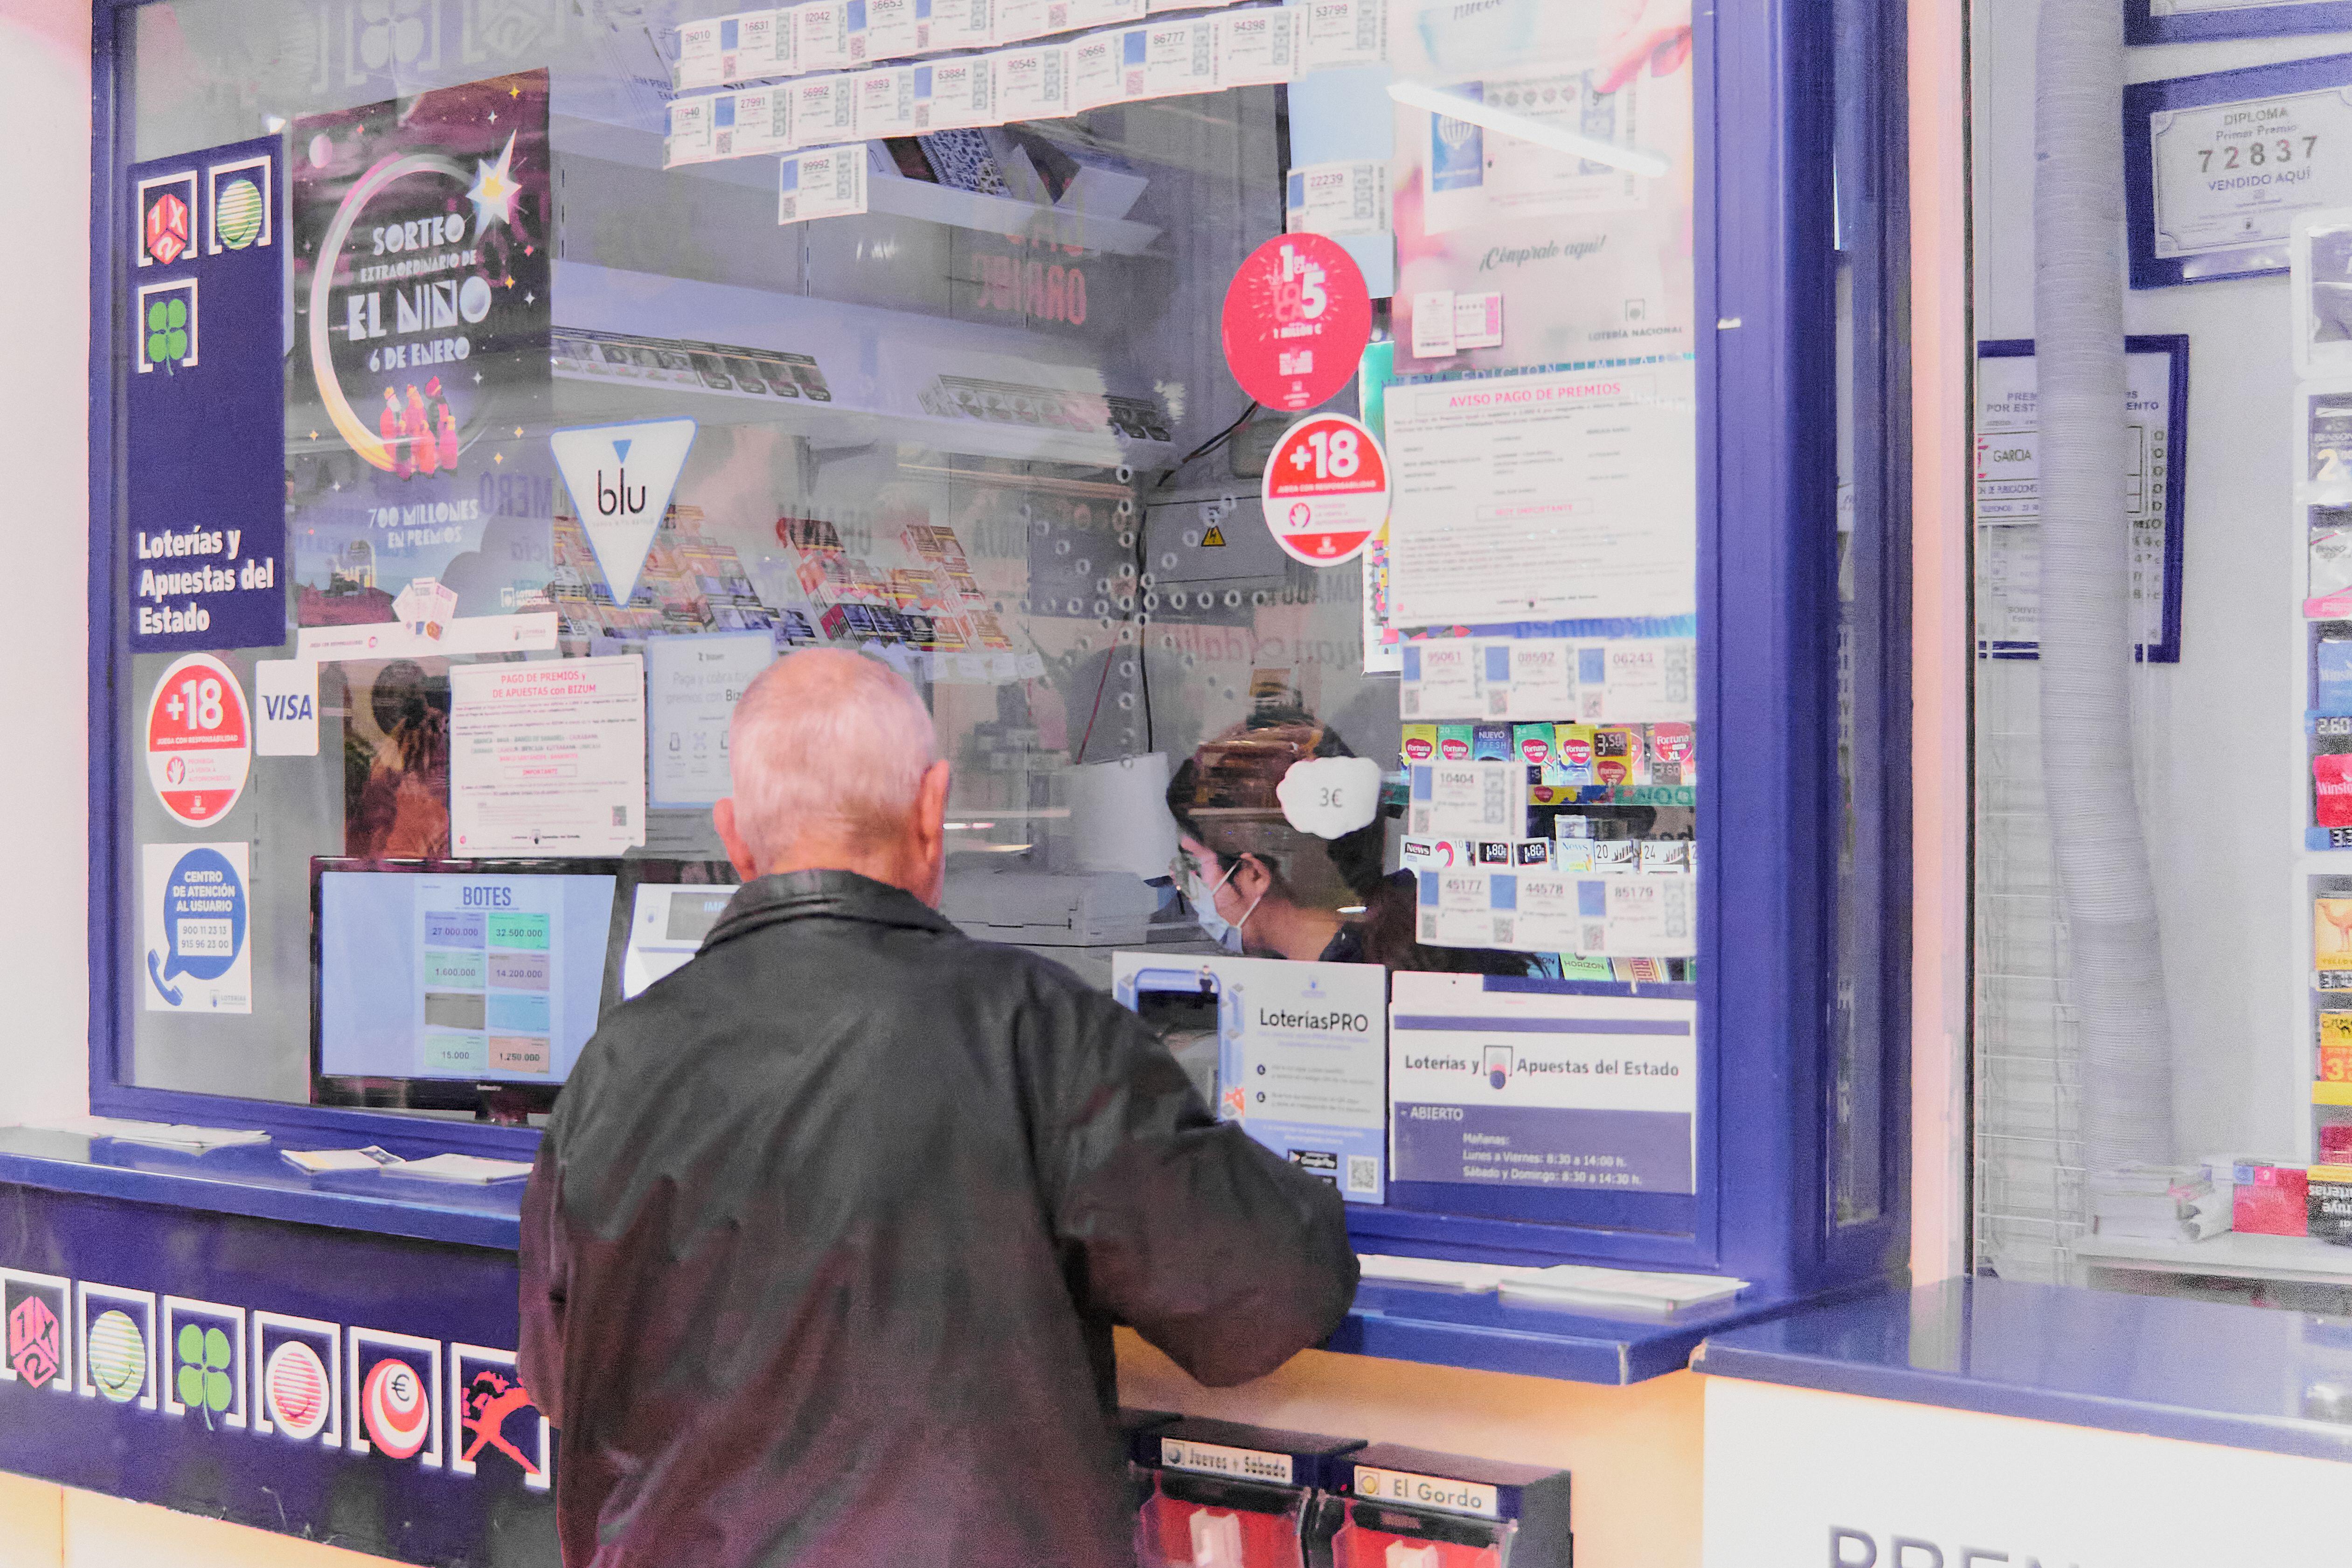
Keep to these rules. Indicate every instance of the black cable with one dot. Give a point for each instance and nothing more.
(1207, 447)
(1142, 521)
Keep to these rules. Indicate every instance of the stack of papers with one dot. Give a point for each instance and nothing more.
(163, 1134)
(463, 1168)
(2158, 1202)
(320, 1161)
(1443, 1273)
(1617, 1289)
(1566, 1285)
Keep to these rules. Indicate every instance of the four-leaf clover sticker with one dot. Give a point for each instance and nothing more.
(204, 1370)
(167, 331)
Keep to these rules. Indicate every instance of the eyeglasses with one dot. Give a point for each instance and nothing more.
(1184, 868)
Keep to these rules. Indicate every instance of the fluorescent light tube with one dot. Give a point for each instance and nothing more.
(1526, 129)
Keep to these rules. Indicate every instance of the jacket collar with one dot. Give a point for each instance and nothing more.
(834, 894)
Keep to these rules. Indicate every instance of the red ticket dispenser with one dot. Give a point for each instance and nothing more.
(1225, 1495)
(1409, 1508)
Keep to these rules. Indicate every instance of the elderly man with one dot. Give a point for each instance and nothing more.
(823, 1247)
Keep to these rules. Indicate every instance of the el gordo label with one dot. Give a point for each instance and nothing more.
(1426, 1492)
(199, 740)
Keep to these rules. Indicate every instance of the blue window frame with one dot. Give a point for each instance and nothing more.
(1801, 1169)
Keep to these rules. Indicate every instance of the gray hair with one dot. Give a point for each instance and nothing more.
(830, 743)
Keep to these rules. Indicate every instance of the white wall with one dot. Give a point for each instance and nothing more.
(44, 443)
(2223, 753)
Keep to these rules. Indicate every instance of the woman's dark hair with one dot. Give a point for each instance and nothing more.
(1240, 770)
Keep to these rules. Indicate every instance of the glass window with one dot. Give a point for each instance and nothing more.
(608, 338)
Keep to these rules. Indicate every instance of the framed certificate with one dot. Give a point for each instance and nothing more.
(2216, 167)
(2189, 21)
(2008, 470)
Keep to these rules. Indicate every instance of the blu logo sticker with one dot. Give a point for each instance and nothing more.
(621, 477)
(194, 911)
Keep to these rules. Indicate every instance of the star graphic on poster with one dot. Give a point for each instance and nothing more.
(477, 378)
(494, 117)
(494, 191)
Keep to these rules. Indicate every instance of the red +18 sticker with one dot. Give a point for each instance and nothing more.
(1327, 488)
(199, 740)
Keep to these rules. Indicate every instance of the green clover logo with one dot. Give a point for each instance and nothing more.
(167, 331)
(204, 1370)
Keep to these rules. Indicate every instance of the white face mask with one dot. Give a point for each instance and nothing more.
(1226, 934)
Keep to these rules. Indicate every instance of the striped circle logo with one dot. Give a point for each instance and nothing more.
(295, 1383)
(118, 1357)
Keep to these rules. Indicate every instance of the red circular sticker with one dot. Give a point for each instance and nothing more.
(1327, 488)
(199, 740)
(1298, 318)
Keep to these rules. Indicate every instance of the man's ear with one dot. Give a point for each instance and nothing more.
(738, 854)
(931, 835)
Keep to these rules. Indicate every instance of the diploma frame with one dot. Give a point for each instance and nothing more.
(2143, 24)
(2143, 100)
(2166, 648)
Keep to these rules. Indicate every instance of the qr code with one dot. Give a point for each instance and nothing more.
(1675, 670)
(620, 817)
(1674, 913)
(1363, 1174)
(1497, 809)
(1429, 928)
(1596, 939)
(1499, 702)
(1505, 931)
(789, 210)
(1057, 16)
(1409, 699)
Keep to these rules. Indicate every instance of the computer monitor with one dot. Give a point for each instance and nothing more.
(473, 984)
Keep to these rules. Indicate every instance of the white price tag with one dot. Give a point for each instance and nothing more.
(955, 23)
(955, 94)
(893, 29)
(1032, 83)
(1342, 33)
(825, 110)
(1257, 47)
(886, 102)
(821, 35)
(1340, 199)
(1178, 58)
(830, 184)
(693, 122)
(697, 63)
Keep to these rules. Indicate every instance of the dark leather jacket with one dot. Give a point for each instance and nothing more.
(821, 1252)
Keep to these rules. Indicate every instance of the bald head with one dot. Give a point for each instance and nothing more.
(836, 767)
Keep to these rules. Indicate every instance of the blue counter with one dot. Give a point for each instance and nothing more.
(1445, 1328)
(2244, 1377)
